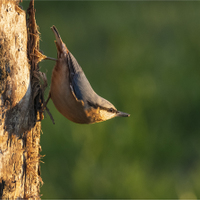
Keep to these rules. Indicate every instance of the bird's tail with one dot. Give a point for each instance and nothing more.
(61, 47)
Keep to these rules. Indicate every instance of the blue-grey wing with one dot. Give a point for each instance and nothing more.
(79, 83)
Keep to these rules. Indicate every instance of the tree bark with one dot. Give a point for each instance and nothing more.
(21, 100)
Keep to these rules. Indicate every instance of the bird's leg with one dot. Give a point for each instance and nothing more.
(47, 99)
(49, 58)
(45, 107)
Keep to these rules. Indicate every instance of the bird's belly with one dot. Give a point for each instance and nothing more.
(63, 99)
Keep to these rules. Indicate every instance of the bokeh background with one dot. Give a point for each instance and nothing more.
(144, 57)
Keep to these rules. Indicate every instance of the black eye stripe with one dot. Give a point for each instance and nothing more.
(93, 105)
(112, 110)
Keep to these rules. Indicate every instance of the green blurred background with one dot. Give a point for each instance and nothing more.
(143, 57)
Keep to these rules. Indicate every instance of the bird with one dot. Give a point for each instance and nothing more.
(71, 92)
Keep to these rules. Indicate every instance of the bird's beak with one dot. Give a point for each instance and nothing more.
(122, 114)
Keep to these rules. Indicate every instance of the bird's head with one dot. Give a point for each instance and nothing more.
(104, 110)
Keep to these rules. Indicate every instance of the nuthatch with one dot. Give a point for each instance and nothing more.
(72, 93)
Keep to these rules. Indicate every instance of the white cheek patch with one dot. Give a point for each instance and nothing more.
(105, 115)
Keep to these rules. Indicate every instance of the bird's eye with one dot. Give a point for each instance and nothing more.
(111, 110)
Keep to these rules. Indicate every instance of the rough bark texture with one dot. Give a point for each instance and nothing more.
(20, 102)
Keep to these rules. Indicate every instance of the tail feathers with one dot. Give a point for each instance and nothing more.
(54, 29)
(61, 47)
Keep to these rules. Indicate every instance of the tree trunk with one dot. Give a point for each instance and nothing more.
(21, 99)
